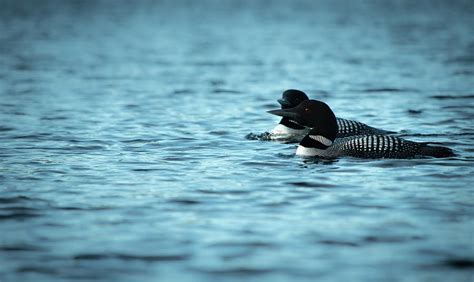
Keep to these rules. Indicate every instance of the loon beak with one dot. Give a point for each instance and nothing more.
(286, 113)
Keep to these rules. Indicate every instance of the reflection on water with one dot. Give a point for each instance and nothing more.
(123, 153)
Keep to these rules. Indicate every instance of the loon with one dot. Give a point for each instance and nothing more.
(290, 128)
(321, 139)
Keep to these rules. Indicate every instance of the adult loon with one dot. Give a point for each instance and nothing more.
(290, 128)
(321, 140)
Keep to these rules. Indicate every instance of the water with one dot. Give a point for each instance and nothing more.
(123, 154)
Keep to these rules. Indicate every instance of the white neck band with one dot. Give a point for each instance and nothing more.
(321, 139)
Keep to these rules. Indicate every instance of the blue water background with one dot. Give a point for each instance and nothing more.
(123, 154)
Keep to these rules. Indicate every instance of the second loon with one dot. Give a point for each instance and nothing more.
(289, 128)
(321, 139)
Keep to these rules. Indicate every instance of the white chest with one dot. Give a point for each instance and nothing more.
(281, 129)
(287, 134)
(314, 152)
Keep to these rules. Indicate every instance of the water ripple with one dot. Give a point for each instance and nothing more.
(128, 257)
(124, 155)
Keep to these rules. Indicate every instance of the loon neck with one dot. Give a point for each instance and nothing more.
(291, 123)
(316, 141)
(315, 145)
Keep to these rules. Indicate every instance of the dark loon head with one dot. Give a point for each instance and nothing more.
(314, 114)
(290, 99)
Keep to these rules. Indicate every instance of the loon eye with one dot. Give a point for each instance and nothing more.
(306, 109)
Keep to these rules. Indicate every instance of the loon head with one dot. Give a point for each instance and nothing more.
(317, 115)
(292, 98)
(289, 99)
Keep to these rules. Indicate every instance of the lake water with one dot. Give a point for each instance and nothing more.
(123, 154)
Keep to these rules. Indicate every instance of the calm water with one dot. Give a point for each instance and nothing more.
(123, 154)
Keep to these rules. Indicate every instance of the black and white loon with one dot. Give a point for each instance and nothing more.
(321, 139)
(289, 127)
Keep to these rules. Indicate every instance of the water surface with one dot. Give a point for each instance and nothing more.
(123, 154)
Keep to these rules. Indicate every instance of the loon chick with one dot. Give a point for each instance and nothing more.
(321, 140)
(287, 126)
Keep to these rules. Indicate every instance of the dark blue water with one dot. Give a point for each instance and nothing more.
(123, 154)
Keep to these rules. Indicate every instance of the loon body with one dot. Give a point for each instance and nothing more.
(347, 127)
(321, 140)
(289, 129)
(370, 146)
